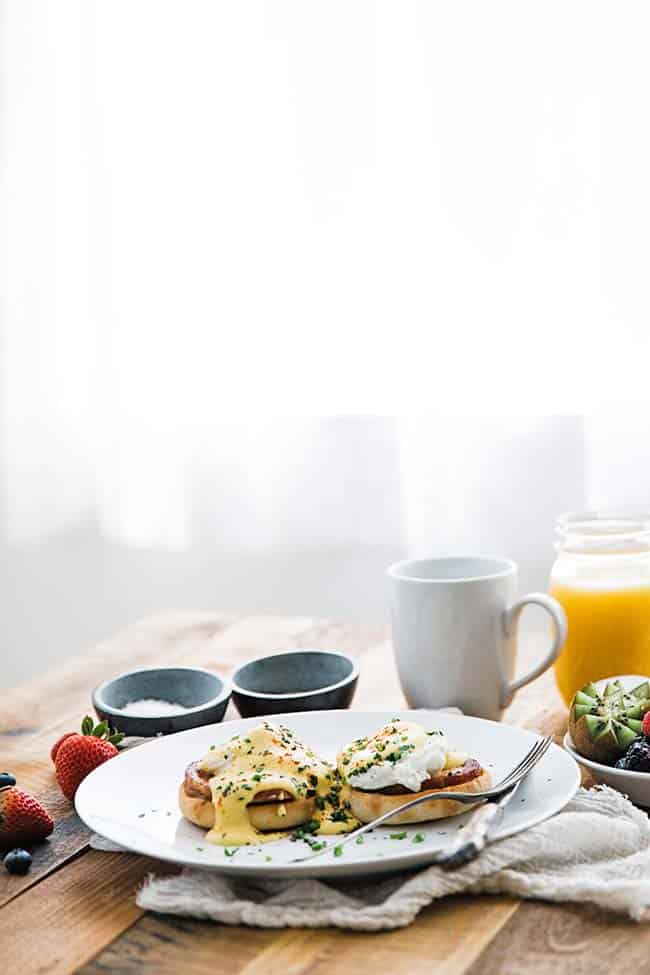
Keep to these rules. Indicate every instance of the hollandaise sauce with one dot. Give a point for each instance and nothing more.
(270, 758)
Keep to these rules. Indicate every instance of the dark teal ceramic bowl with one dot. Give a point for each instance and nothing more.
(299, 680)
(202, 693)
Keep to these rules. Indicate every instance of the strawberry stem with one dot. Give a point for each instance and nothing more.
(102, 730)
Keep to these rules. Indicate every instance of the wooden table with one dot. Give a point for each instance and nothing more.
(75, 911)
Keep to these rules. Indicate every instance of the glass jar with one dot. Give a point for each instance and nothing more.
(602, 579)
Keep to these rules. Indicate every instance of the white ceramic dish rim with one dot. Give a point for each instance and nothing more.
(321, 867)
(626, 775)
(293, 695)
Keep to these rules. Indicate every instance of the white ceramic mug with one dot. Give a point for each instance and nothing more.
(455, 632)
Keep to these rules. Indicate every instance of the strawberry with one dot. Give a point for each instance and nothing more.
(55, 747)
(646, 724)
(78, 754)
(22, 818)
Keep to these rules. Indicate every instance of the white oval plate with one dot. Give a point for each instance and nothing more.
(132, 800)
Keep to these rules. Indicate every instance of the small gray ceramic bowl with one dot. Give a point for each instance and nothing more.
(203, 693)
(300, 680)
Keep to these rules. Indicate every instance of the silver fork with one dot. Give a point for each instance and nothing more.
(528, 762)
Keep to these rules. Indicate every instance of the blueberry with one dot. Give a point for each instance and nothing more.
(6, 778)
(18, 861)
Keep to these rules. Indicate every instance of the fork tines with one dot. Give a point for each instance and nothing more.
(530, 759)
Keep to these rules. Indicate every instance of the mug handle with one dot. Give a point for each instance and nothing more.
(510, 621)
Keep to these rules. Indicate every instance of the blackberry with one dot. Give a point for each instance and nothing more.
(637, 757)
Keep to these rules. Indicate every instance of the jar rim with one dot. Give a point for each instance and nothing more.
(607, 531)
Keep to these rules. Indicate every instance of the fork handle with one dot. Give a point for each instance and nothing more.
(474, 839)
(466, 798)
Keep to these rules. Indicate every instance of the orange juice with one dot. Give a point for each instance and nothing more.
(609, 634)
(602, 580)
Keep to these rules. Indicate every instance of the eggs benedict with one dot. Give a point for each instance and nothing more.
(400, 762)
(261, 784)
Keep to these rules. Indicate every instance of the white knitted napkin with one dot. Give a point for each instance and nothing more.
(596, 850)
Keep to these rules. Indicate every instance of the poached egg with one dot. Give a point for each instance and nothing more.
(270, 758)
(401, 753)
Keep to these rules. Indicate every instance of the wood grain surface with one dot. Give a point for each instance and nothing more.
(75, 911)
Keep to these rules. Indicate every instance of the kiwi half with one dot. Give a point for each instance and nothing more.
(603, 724)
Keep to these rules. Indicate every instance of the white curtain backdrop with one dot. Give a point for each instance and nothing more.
(218, 216)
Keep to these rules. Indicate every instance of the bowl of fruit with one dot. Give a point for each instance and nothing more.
(609, 734)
